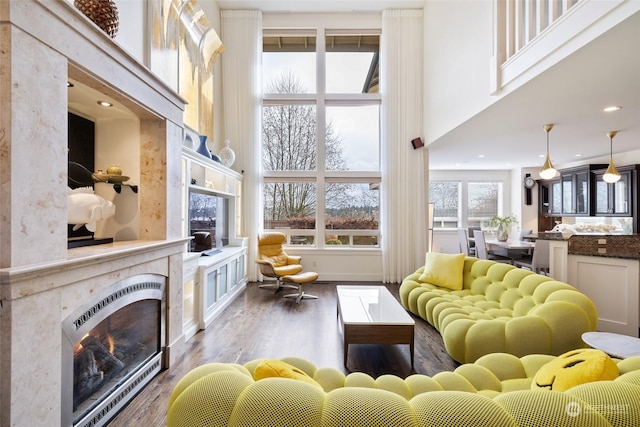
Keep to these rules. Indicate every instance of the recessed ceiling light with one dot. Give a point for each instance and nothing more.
(105, 104)
(578, 154)
(612, 108)
(481, 156)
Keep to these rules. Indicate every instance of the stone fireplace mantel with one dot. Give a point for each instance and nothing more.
(36, 299)
(44, 44)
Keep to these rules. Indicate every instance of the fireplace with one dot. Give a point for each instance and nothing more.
(112, 347)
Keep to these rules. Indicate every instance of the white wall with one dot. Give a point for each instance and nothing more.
(132, 15)
(528, 214)
(212, 11)
(458, 46)
(446, 240)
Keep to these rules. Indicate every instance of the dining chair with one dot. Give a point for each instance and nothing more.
(463, 243)
(525, 232)
(483, 253)
(538, 262)
(472, 239)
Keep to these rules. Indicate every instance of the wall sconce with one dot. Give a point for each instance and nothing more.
(547, 171)
(611, 175)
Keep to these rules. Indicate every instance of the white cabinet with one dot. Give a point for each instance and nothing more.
(212, 282)
(558, 260)
(612, 284)
(221, 278)
(190, 324)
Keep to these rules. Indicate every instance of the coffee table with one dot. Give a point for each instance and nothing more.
(371, 315)
(616, 345)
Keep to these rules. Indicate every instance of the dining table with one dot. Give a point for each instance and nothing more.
(513, 249)
(511, 244)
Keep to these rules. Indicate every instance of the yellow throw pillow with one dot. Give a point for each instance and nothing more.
(270, 368)
(443, 270)
(574, 368)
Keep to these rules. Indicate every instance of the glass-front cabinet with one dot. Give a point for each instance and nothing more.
(615, 199)
(555, 197)
(576, 196)
(582, 192)
(572, 193)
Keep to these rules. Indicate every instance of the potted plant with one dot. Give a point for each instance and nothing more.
(503, 225)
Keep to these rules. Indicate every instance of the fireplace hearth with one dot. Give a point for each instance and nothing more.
(112, 347)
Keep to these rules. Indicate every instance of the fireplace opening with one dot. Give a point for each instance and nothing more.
(113, 348)
(108, 353)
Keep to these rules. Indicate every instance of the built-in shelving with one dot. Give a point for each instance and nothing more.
(210, 283)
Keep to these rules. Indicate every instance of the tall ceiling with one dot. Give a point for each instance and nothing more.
(320, 5)
(571, 95)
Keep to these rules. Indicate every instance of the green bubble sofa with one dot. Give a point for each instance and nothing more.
(493, 391)
(500, 308)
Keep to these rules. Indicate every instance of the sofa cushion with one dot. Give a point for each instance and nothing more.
(494, 391)
(443, 270)
(574, 368)
(270, 368)
(501, 308)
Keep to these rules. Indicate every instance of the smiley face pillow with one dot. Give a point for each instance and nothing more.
(574, 368)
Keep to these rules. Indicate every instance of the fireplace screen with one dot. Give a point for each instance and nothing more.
(111, 348)
(108, 353)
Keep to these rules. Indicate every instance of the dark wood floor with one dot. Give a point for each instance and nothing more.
(261, 324)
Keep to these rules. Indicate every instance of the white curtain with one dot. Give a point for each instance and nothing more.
(241, 33)
(404, 195)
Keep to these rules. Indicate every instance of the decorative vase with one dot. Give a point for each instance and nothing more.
(103, 13)
(202, 148)
(502, 234)
(227, 156)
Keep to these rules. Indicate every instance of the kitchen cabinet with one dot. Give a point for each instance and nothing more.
(555, 197)
(613, 285)
(615, 199)
(550, 195)
(570, 194)
(577, 191)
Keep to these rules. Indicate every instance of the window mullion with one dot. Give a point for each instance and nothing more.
(321, 84)
(464, 202)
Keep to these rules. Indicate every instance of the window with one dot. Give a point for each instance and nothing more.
(461, 203)
(321, 136)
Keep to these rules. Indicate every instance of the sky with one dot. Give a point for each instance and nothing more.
(357, 126)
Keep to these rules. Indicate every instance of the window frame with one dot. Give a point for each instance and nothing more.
(322, 100)
(463, 178)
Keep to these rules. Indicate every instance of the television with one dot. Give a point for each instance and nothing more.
(208, 220)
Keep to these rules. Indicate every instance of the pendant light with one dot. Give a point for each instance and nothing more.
(547, 171)
(611, 175)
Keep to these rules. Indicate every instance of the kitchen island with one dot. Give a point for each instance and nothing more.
(605, 267)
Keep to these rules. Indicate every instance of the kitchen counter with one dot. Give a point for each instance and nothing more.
(608, 246)
(624, 246)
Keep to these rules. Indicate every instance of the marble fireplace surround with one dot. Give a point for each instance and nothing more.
(43, 296)
(43, 43)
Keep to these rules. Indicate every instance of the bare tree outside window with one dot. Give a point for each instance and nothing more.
(455, 208)
(290, 144)
(445, 196)
(321, 142)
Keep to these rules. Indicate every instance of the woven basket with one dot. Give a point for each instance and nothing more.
(103, 13)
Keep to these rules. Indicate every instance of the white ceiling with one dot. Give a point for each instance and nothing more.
(320, 5)
(571, 95)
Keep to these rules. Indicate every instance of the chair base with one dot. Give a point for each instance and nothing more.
(300, 296)
(298, 280)
(277, 286)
